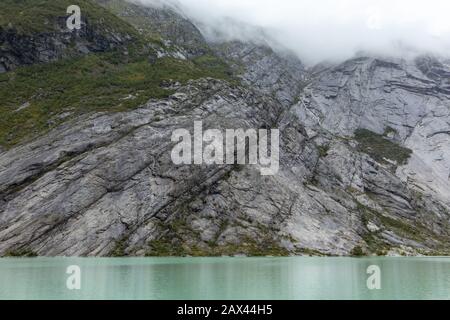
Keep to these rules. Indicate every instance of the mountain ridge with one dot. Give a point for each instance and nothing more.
(363, 163)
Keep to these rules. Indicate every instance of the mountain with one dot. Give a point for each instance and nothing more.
(161, 22)
(107, 65)
(85, 166)
(35, 32)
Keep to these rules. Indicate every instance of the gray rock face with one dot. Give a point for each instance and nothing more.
(105, 184)
(95, 181)
(161, 21)
(279, 74)
(403, 99)
(21, 49)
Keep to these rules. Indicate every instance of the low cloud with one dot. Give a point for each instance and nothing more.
(319, 30)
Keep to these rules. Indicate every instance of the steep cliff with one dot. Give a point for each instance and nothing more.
(161, 22)
(31, 33)
(364, 159)
(280, 74)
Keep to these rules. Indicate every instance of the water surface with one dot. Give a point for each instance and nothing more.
(225, 278)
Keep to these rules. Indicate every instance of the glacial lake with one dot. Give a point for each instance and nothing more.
(224, 278)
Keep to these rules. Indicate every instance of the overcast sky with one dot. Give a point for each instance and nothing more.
(334, 29)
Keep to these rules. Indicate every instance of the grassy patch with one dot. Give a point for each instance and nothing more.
(37, 98)
(164, 248)
(406, 229)
(310, 252)
(413, 232)
(213, 64)
(119, 248)
(357, 252)
(380, 149)
(36, 16)
(134, 15)
(22, 253)
(253, 248)
(374, 243)
(54, 92)
(323, 150)
(174, 243)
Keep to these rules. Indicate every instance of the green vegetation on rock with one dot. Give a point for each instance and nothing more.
(408, 230)
(323, 150)
(22, 253)
(404, 228)
(247, 247)
(357, 252)
(35, 16)
(119, 248)
(39, 97)
(380, 148)
(165, 24)
(180, 239)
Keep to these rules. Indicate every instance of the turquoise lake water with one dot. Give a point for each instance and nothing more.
(225, 278)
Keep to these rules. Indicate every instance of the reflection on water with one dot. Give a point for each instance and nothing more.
(225, 278)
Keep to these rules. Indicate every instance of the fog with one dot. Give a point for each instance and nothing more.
(319, 30)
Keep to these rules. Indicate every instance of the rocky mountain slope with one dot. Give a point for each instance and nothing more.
(163, 22)
(364, 159)
(32, 33)
(279, 74)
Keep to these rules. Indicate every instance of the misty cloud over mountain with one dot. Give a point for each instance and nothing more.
(319, 30)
